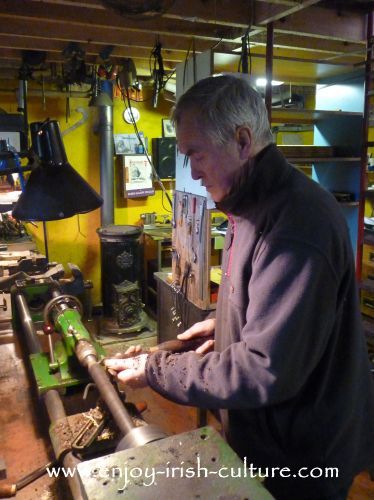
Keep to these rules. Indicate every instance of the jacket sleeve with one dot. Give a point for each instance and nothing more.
(292, 308)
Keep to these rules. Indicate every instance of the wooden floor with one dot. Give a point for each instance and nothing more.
(24, 436)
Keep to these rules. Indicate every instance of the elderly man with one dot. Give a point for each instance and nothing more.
(289, 372)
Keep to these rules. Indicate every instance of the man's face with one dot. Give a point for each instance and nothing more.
(214, 165)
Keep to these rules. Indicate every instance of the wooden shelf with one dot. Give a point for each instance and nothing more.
(367, 285)
(290, 115)
(368, 324)
(368, 237)
(340, 159)
(368, 263)
(349, 203)
(310, 153)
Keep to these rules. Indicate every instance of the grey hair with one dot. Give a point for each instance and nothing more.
(223, 103)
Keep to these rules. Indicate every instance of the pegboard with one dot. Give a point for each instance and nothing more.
(192, 248)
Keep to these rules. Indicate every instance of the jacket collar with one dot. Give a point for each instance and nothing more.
(257, 180)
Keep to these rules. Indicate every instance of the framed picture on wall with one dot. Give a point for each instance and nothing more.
(128, 144)
(168, 129)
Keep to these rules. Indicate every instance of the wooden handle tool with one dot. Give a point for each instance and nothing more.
(177, 345)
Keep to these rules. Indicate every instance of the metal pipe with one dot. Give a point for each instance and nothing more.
(269, 68)
(51, 398)
(22, 106)
(106, 164)
(364, 147)
(28, 328)
(70, 462)
(87, 356)
(54, 405)
(56, 412)
(45, 236)
(110, 396)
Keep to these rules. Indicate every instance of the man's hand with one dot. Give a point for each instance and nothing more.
(130, 371)
(201, 329)
(132, 351)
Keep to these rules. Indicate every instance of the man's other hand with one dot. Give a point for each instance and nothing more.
(201, 329)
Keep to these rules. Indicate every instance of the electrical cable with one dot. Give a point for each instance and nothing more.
(246, 46)
(185, 64)
(216, 44)
(158, 71)
(194, 60)
(245, 61)
(162, 202)
(249, 57)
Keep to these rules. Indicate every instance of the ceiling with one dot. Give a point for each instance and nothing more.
(314, 33)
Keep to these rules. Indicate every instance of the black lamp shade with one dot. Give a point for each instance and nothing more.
(54, 189)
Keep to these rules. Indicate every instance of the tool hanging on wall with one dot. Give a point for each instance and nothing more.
(78, 123)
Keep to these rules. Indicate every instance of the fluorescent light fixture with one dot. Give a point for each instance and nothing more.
(261, 82)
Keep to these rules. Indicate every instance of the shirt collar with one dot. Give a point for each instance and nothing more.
(256, 180)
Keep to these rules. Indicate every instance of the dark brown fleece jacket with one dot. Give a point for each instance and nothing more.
(290, 371)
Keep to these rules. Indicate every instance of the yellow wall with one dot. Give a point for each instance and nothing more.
(75, 240)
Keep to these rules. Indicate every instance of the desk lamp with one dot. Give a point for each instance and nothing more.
(54, 189)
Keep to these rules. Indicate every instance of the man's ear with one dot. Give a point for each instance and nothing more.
(244, 140)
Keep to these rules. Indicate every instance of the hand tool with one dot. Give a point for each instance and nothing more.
(176, 345)
(9, 490)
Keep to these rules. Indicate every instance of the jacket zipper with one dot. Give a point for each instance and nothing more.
(232, 222)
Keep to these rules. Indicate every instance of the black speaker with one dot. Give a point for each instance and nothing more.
(163, 152)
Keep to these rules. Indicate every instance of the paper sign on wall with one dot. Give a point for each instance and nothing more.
(138, 178)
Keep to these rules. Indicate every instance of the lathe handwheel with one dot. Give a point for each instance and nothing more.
(69, 301)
